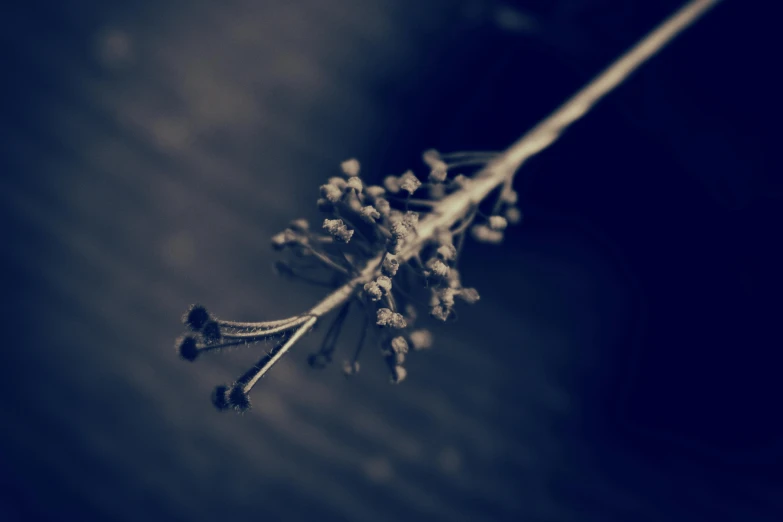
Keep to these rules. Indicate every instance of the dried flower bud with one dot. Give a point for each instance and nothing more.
(438, 173)
(392, 184)
(398, 374)
(513, 215)
(331, 192)
(350, 167)
(374, 191)
(484, 234)
(469, 295)
(409, 182)
(369, 213)
(447, 297)
(421, 339)
(351, 367)
(373, 291)
(447, 252)
(390, 265)
(337, 228)
(509, 197)
(386, 317)
(440, 312)
(382, 206)
(337, 181)
(196, 317)
(354, 184)
(497, 223)
(384, 283)
(238, 398)
(399, 345)
(211, 332)
(437, 267)
(220, 397)
(187, 347)
(430, 157)
(299, 225)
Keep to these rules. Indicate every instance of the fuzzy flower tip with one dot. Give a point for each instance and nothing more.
(438, 268)
(390, 265)
(369, 213)
(440, 312)
(409, 182)
(355, 184)
(497, 222)
(350, 167)
(469, 295)
(513, 215)
(438, 173)
(331, 193)
(386, 317)
(392, 184)
(421, 339)
(447, 252)
(337, 228)
(485, 234)
(398, 374)
(373, 291)
(384, 283)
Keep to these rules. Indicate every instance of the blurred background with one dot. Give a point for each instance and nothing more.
(622, 365)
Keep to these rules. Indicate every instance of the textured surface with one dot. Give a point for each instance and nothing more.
(152, 154)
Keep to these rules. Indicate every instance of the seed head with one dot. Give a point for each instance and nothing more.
(373, 291)
(239, 399)
(390, 265)
(509, 197)
(331, 192)
(384, 283)
(447, 252)
(437, 268)
(485, 234)
(439, 172)
(187, 347)
(196, 317)
(385, 317)
(469, 295)
(220, 397)
(421, 339)
(409, 182)
(440, 312)
(299, 225)
(497, 223)
(338, 230)
(211, 332)
(398, 374)
(382, 206)
(513, 215)
(354, 184)
(374, 191)
(393, 184)
(369, 213)
(350, 167)
(399, 345)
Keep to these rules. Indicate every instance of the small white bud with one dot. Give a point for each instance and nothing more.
(497, 223)
(350, 167)
(421, 339)
(355, 184)
(409, 182)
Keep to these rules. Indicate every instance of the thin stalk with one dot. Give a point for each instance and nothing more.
(500, 170)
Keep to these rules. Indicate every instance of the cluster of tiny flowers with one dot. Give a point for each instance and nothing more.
(364, 222)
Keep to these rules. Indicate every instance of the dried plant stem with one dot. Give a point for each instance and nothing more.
(446, 212)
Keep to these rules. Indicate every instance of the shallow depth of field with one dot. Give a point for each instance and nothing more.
(621, 365)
